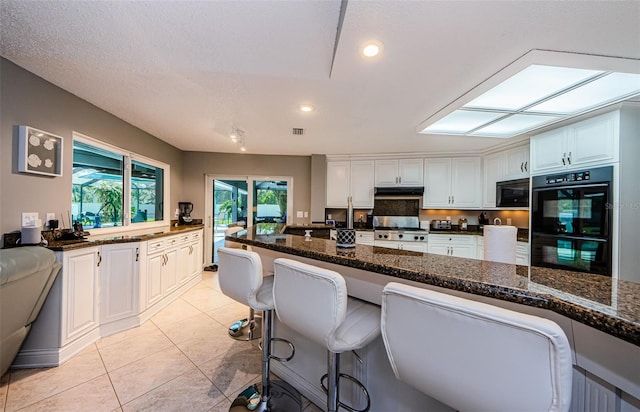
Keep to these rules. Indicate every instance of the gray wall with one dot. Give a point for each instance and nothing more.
(318, 187)
(199, 164)
(26, 99)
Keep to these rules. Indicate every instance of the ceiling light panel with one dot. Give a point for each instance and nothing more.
(514, 125)
(461, 122)
(529, 86)
(607, 89)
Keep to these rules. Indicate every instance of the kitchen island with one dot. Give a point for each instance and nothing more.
(600, 315)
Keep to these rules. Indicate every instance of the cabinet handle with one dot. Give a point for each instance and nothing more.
(522, 167)
(453, 199)
(99, 258)
(563, 157)
(526, 166)
(569, 158)
(400, 179)
(137, 254)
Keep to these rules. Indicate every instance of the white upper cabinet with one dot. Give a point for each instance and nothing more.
(452, 183)
(361, 185)
(350, 178)
(590, 142)
(338, 180)
(516, 163)
(399, 172)
(493, 172)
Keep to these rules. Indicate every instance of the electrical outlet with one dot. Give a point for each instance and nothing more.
(306, 214)
(29, 218)
(508, 221)
(299, 213)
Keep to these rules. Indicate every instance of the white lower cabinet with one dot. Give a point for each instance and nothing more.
(364, 238)
(119, 281)
(79, 310)
(522, 253)
(106, 289)
(399, 245)
(453, 245)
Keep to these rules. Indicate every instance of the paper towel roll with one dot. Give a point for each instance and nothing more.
(500, 243)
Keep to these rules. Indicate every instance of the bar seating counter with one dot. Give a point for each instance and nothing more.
(600, 315)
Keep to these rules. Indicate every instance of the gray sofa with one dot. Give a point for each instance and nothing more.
(26, 276)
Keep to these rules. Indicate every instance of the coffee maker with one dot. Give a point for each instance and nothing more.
(185, 213)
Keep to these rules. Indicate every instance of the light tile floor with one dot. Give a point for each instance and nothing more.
(180, 360)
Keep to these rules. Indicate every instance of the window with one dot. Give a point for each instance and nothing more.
(113, 188)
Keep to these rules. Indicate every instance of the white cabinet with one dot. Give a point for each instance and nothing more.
(119, 281)
(590, 142)
(452, 245)
(452, 183)
(361, 183)
(338, 179)
(350, 178)
(516, 163)
(162, 276)
(399, 172)
(412, 246)
(364, 238)
(505, 165)
(189, 257)
(80, 288)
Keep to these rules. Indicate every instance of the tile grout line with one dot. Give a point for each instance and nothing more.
(109, 377)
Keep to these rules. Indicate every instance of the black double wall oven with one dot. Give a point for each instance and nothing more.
(571, 220)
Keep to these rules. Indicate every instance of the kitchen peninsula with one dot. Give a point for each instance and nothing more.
(600, 315)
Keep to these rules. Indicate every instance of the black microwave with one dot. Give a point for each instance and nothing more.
(512, 193)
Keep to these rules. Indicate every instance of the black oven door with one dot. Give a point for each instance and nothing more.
(579, 210)
(577, 254)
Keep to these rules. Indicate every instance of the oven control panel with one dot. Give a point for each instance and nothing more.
(569, 177)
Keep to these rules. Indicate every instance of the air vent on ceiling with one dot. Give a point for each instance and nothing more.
(297, 131)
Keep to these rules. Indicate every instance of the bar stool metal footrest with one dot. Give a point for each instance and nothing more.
(282, 398)
(288, 358)
(357, 383)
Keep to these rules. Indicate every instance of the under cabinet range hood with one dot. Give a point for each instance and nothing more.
(408, 192)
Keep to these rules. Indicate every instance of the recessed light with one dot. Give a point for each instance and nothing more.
(306, 108)
(372, 49)
(243, 149)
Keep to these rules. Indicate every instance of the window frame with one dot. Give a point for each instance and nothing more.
(128, 157)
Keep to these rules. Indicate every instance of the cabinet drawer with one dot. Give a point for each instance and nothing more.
(172, 241)
(155, 245)
(457, 239)
(196, 235)
(185, 238)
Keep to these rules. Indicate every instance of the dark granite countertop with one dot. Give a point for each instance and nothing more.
(65, 245)
(598, 301)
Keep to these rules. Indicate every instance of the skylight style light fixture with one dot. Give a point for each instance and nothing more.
(536, 96)
(306, 108)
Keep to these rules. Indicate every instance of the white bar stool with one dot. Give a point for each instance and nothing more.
(241, 278)
(248, 328)
(473, 356)
(313, 301)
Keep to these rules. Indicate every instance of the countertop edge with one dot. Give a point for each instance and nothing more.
(612, 325)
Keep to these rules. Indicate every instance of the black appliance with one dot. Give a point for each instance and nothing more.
(512, 193)
(185, 213)
(571, 220)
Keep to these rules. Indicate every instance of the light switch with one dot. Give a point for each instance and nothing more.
(29, 218)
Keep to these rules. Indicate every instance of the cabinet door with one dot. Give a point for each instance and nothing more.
(437, 177)
(492, 173)
(361, 186)
(364, 238)
(338, 182)
(411, 172)
(386, 173)
(155, 267)
(463, 251)
(594, 141)
(170, 272)
(547, 150)
(466, 183)
(196, 259)
(184, 266)
(415, 247)
(517, 163)
(80, 292)
(438, 248)
(119, 273)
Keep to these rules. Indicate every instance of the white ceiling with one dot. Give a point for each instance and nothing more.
(186, 71)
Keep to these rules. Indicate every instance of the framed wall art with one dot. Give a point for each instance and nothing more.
(39, 152)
